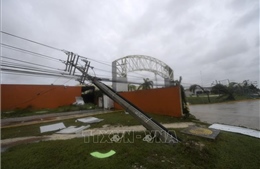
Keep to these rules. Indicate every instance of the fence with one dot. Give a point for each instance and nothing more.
(164, 101)
(37, 96)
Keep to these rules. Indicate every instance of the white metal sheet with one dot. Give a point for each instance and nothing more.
(52, 127)
(108, 103)
(90, 120)
(235, 129)
(73, 129)
(79, 101)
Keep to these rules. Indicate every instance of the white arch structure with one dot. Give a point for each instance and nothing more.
(131, 63)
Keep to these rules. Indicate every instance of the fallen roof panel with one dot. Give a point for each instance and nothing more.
(90, 120)
(52, 127)
(235, 129)
(72, 129)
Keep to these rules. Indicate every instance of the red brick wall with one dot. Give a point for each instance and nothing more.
(165, 101)
(37, 96)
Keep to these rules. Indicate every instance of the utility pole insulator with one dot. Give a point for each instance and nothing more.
(72, 66)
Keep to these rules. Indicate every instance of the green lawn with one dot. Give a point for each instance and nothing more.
(228, 151)
(115, 118)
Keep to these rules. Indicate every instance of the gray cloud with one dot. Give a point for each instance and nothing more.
(251, 16)
(205, 40)
(229, 46)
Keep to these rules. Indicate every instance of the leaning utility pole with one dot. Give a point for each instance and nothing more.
(156, 129)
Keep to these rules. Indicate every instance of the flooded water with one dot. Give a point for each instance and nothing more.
(238, 113)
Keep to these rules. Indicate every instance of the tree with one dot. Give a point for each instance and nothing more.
(249, 88)
(185, 107)
(227, 91)
(195, 86)
(148, 84)
(131, 87)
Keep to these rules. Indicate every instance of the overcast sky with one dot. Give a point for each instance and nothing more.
(201, 40)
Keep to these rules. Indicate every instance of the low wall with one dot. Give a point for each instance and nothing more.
(37, 96)
(164, 101)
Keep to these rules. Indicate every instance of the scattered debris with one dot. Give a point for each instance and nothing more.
(90, 120)
(95, 131)
(52, 127)
(79, 101)
(73, 129)
(202, 132)
(193, 144)
(103, 155)
(235, 129)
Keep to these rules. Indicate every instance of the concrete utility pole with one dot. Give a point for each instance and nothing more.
(156, 129)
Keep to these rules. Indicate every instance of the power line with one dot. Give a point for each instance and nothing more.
(30, 40)
(98, 61)
(16, 36)
(128, 82)
(37, 75)
(32, 68)
(18, 66)
(101, 62)
(111, 73)
(27, 70)
(33, 72)
(14, 66)
(30, 52)
(34, 53)
(28, 62)
(11, 68)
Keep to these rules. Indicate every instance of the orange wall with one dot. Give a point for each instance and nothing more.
(37, 96)
(165, 101)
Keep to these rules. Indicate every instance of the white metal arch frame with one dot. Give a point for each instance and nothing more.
(131, 63)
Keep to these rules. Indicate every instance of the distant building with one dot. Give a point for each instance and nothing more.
(198, 91)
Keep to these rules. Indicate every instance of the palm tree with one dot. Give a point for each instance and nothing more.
(131, 87)
(148, 84)
(195, 86)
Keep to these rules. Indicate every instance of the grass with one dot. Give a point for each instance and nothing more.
(237, 151)
(29, 111)
(202, 100)
(229, 151)
(115, 118)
